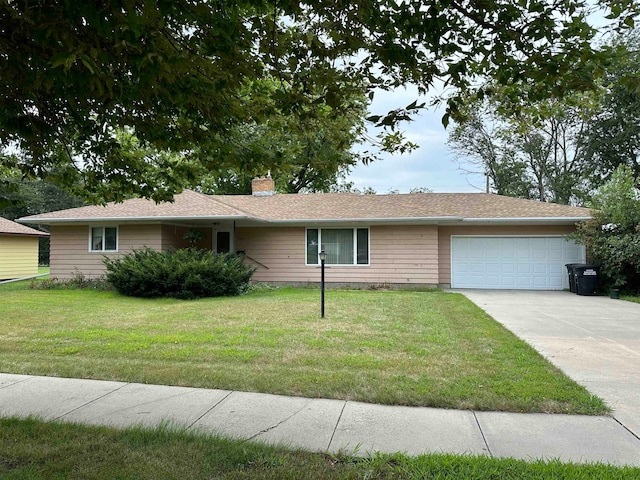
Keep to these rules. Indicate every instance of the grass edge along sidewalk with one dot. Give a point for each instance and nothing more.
(33, 449)
(430, 348)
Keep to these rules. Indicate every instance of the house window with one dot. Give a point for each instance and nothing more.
(343, 246)
(103, 239)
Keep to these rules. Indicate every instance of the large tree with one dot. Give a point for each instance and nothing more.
(310, 154)
(533, 151)
(612, 137)
(73, 73)
(482, 144)
(557, 149)
(20, 197)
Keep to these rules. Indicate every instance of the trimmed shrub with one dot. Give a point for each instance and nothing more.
(186, 273)
(77, 282)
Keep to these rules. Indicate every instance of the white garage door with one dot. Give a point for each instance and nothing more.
(512, 262)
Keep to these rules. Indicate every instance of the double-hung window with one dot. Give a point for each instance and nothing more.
(343, 246)
(103, 239)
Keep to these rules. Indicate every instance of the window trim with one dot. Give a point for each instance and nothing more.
(355, 246)
(103, 227)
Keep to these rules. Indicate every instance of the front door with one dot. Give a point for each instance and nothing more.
(223, 241)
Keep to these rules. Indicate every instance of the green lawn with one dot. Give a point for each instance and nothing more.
(409, 348)
(629, 298)
(30, 449)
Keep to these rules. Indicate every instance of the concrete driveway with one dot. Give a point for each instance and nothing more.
(594, 340)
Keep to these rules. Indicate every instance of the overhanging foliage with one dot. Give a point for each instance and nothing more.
(173, 71)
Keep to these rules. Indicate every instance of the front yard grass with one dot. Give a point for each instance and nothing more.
(409, 348)
(31, 449)
(631, 298)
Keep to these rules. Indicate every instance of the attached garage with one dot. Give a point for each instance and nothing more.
(513, 262)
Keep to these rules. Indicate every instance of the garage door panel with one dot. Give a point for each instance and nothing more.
(556, 283)
(553, 241)
(556, 269)
(518, 263)
(506, 242)
(461, 268)
(540, 282)
(524, 268)
(573, 252)
(508, 268)
(541, 268)
(524, 283)
(556, 254)
(540, 254)
(492, 268)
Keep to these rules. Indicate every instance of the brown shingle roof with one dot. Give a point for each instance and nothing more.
(329, 206)
(188, 204)
(7, 227)
(324, 206)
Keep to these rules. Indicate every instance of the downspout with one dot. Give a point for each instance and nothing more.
(24, 278)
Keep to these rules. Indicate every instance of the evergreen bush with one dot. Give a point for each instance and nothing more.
(612, 236)
(186, 273)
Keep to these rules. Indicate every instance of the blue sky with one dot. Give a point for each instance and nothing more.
(432, 165)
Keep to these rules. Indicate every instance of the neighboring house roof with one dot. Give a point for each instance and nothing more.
(326, 207)
(7, 227)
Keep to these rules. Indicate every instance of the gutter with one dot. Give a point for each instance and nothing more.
(48, 221)
(367, 220)
(432, 220)
(10, 234)
(527, 219)
(315, 221)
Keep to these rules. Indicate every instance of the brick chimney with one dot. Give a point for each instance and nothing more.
(263, 186)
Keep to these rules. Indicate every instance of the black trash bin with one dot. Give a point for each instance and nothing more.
(572, 275)
(586, 278)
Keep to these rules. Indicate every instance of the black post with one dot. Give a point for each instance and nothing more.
(322, 288)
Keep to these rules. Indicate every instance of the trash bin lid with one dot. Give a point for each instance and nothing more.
(586, 269)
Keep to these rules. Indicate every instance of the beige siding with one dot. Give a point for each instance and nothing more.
(444, 240)
(399, 255)
(70, 248)
(18, 256)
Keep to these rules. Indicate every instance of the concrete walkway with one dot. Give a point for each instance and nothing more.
(594, 340)
(322, 425)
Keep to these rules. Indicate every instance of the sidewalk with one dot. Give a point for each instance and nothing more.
(322, 425)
